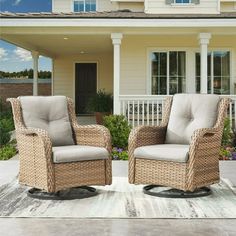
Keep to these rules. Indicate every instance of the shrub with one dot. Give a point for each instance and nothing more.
(227, 137)
(7, 152)
(101, 102)
(6, 123)
(119, 154)
(119, 128)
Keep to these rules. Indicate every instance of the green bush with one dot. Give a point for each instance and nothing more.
(101, 102)
(119, 154)
(119, 128)
(6, 123)
(7, 152)
(227, 137)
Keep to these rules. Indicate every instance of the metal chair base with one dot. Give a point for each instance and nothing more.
(69, 194)
(175, 193)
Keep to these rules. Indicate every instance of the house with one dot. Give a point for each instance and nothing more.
(140, 50)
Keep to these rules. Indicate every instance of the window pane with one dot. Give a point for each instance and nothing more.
(177, 72)
(173, 63)
(217, 63)
(159, 68)
(225, 64)
(163, 64)
(90, 5)
(78, 6)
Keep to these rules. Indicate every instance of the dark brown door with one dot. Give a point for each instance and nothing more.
(85, 85)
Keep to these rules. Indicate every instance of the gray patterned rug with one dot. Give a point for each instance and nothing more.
(120, 200)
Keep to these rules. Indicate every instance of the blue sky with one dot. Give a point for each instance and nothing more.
(13, 58)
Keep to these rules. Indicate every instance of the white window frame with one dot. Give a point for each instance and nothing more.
(149, 66)
(72, 6)
(232, 78)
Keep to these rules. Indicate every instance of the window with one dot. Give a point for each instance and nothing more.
(168, 72)
(182, 1)
(84, 5)
(218, 69)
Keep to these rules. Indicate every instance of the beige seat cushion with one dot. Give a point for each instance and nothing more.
(75, 153)
(50, 114)
(188, 113)
(163, 152)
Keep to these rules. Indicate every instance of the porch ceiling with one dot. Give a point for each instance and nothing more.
(62, 44)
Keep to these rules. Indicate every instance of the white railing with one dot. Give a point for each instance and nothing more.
(147, 109)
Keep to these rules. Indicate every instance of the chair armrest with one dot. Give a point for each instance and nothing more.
(203, 153)
(143, 136)
(93, 135)
(146, 135)
(42, 136)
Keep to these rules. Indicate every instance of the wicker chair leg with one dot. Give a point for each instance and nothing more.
(175, 193)
(68, 194)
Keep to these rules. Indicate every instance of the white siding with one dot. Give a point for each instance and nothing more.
(61, 5)
(106, 5)
(160, 7)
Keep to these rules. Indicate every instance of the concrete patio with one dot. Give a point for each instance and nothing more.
(122, 227)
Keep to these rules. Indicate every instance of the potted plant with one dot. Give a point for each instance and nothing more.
(101, 104)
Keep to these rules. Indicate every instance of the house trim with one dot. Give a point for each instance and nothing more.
(98, 22)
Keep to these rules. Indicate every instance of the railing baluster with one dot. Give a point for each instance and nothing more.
(157, 111)
(128, 111)
(152, 112)
(162, 105)
(133, 115)
(143, 113)
(138, 112)
(147, 112)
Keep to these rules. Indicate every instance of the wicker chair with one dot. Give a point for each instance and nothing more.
(46, 167)
(182, 158)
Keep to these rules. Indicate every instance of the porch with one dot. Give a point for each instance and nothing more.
(140, 61)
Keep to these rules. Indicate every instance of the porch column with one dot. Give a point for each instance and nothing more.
(116, 41)
(204, 39)
(35, 56)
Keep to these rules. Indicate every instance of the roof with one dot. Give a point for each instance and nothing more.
(123, 14)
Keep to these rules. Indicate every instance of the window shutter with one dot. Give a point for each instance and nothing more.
(169, 1)
(195, 1)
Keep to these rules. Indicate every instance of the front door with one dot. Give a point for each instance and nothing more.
(85, 85)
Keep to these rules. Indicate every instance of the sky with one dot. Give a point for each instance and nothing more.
(13, 58)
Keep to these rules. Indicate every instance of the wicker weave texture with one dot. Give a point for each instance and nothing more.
(202, 168)
(35, 151)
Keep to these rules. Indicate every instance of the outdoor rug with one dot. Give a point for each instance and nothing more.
(120, 200)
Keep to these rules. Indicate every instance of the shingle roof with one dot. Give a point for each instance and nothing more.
(115, 15)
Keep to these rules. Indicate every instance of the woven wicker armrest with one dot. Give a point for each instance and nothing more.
(93, 135)
(146, 135)
(143, 136)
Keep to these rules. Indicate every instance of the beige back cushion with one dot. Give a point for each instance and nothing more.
(188, 113)
(50, 114)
